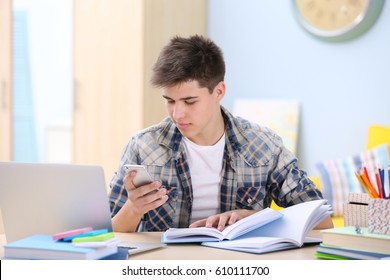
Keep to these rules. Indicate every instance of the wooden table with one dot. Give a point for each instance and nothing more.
(198, 252)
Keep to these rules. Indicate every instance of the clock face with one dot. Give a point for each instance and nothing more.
(337, 19)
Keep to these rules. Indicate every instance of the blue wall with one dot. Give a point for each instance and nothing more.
(342, 87)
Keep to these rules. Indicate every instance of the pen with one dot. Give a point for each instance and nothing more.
(362, 183)
(382, 177)
(378, 182)
(366, 180)
(388, 182)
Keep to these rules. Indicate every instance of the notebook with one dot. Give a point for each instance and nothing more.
(47, 198)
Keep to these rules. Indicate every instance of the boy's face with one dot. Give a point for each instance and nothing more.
(196, 112)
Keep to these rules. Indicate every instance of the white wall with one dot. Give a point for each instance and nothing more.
(342, 87)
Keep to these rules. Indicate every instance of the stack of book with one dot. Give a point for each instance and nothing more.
(353, 243)
(78, 244)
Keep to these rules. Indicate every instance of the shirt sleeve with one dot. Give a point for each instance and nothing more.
(118, 194)
(292, 185)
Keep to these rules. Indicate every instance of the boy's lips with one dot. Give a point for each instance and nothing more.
(182, 125)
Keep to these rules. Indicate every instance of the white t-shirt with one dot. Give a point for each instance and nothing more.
(205, 163)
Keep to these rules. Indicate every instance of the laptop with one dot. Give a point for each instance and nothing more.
(47, 198)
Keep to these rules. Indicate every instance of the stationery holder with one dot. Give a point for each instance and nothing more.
(378, 216)
(356, 209)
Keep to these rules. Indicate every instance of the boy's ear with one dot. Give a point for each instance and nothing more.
(220, 89)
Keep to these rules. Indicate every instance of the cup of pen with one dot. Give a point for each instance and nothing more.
(377, 187)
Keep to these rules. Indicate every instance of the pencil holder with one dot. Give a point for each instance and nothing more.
(378, 216)
(355, 210)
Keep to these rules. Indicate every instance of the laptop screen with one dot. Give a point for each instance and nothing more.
(43, 198)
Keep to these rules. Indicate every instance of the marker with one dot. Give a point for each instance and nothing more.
(100, 237)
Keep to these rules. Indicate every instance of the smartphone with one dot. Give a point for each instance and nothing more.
(142, 178)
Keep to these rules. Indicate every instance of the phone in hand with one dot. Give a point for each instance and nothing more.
(142, 178)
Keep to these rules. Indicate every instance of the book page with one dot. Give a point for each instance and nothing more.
(251, 222)
(295, 224)
(255, 245)
(241, 227)
(191, 232)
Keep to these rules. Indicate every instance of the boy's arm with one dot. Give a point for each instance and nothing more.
(139, 201)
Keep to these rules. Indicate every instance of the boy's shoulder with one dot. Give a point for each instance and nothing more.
(165, 127)
(254, 132)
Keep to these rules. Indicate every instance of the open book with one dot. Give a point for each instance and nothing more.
(288, 232)
(201, 234)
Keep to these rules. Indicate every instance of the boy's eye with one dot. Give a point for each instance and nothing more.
(187, 102)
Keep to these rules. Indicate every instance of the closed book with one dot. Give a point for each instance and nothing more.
(349, 253)
(44, 247)
(349, 238)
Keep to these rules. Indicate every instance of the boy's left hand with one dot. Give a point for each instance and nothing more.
(220, 221)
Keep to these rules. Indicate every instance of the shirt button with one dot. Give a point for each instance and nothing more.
(249, 200)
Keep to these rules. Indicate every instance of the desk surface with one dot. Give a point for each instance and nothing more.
(198, 252)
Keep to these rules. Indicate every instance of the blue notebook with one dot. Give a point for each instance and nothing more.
(44, 247)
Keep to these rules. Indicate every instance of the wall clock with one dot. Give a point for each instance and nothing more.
(337, 20)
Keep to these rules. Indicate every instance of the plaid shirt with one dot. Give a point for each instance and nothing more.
(256, 169)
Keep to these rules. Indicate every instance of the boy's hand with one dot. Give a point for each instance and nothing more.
(146, 197)
(220, 221)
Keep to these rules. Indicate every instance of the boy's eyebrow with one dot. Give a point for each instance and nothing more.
(184, 98)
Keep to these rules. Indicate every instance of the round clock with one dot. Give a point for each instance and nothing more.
(337, 20)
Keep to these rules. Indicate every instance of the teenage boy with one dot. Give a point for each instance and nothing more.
(211, 168)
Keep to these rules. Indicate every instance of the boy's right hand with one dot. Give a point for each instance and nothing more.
(144, 198)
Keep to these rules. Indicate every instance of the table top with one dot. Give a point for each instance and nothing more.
(199, 252)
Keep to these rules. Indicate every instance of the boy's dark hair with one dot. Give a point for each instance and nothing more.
(189, 59)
